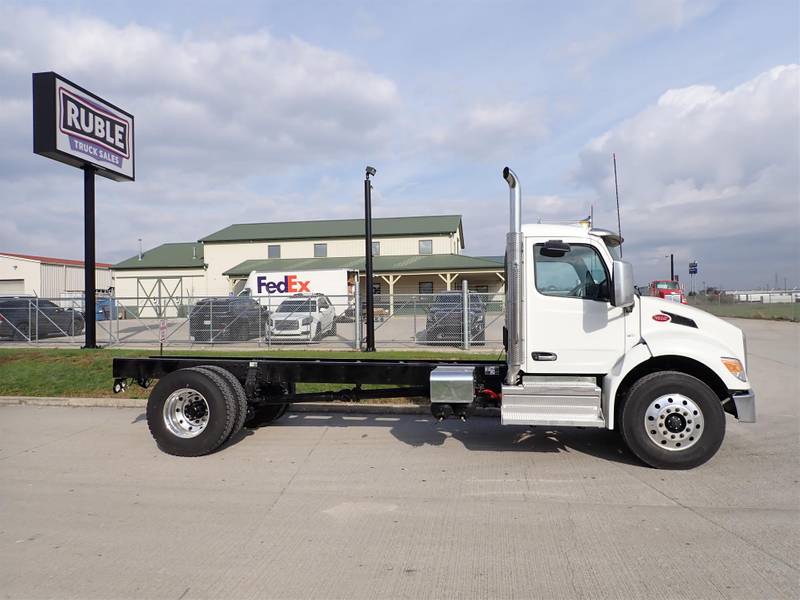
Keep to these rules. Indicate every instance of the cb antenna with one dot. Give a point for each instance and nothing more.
(616, 190)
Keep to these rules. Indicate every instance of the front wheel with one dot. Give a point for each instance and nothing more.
(671, 420)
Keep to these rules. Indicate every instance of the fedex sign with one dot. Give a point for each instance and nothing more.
(331, 282)
(290, 284)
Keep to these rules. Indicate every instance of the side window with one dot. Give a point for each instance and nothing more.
(323, 303)
(580, 273)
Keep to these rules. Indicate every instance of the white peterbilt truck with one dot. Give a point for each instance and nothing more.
(583, 349)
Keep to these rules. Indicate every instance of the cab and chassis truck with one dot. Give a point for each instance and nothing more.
(582, 350)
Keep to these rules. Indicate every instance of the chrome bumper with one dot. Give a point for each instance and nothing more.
(745, 405)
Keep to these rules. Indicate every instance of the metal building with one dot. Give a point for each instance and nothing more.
(46, 277)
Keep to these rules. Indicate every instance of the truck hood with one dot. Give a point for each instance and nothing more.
(665, 323)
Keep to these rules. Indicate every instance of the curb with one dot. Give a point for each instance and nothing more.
(304, 407)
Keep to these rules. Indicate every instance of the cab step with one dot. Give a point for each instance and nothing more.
(553, 400)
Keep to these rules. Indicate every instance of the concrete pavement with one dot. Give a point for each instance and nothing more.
(371, 506)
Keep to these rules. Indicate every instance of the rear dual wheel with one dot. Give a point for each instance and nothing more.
(192, 412)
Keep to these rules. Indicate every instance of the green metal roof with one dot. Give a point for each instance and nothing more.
(338, 228)
(382, 264)
(497, 259)
(179, 255)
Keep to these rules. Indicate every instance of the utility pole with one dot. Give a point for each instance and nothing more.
(672, 267)
(370, 347)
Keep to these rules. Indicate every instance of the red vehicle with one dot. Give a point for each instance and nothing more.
(669, 290)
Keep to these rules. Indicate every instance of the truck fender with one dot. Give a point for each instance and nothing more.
(704, 354)
(634, 357)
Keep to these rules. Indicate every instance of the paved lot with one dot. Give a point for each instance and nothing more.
(368, 507)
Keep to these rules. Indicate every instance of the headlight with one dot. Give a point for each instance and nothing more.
(735, 368)
(306, 321)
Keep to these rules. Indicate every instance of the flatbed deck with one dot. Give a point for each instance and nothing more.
(411, 377)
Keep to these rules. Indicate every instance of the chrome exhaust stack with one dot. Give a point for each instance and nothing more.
(514, 299)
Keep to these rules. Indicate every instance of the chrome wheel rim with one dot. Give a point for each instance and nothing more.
(674, 422)
(186, 413)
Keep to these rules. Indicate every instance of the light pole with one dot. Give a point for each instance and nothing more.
(370, 347)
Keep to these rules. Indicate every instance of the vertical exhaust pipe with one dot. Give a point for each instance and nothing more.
(514, 299)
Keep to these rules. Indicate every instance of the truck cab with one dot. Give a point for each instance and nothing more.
(667, 289)
(584, 350)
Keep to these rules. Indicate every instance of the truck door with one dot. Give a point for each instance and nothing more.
(571, 326)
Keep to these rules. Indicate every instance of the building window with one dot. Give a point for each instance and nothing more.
(425, 287)
(426, 246)
(320, 250)
(376, 248)
(481, 289)
(273, 251)
(376, 288)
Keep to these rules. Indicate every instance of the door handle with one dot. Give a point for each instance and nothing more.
(546, 356)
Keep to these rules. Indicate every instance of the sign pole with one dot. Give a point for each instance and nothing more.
(89, 257)
(78, 128)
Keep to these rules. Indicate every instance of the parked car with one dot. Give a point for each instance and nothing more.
(32, 318)
(303, 316)
(668, 290)
(237, 319)
(445, 320)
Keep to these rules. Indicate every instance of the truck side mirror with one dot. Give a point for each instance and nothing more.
(623, 284)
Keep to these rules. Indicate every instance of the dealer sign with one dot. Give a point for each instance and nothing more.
(76, 127)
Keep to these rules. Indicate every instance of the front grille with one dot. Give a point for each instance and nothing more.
(285, 325)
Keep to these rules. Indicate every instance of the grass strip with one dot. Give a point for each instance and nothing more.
(87, 373)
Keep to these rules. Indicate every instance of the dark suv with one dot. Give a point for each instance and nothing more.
(24, 319)
(445, 320)
(233, 319)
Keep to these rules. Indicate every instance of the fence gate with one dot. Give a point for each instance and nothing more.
(159, 297)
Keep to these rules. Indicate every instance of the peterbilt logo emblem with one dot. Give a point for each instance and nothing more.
(93, 130)
(288, 285)
(662, 318)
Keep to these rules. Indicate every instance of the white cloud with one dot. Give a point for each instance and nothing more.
(211, 113)
(633, 20)
(709, 173)
(489, 129)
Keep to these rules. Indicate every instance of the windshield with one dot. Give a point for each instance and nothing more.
(291, 306)
(667, 285)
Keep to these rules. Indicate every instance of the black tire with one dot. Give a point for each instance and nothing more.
(238, 393)
(646, 394)
(221, 412)
(264, 415)
(332, 330)
(318, 332)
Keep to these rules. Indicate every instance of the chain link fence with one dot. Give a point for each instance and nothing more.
(313, 321)
(402, 321)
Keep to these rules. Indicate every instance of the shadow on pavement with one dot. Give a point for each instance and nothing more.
(477, 434)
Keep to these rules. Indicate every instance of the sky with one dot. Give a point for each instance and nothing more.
(257, 111)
